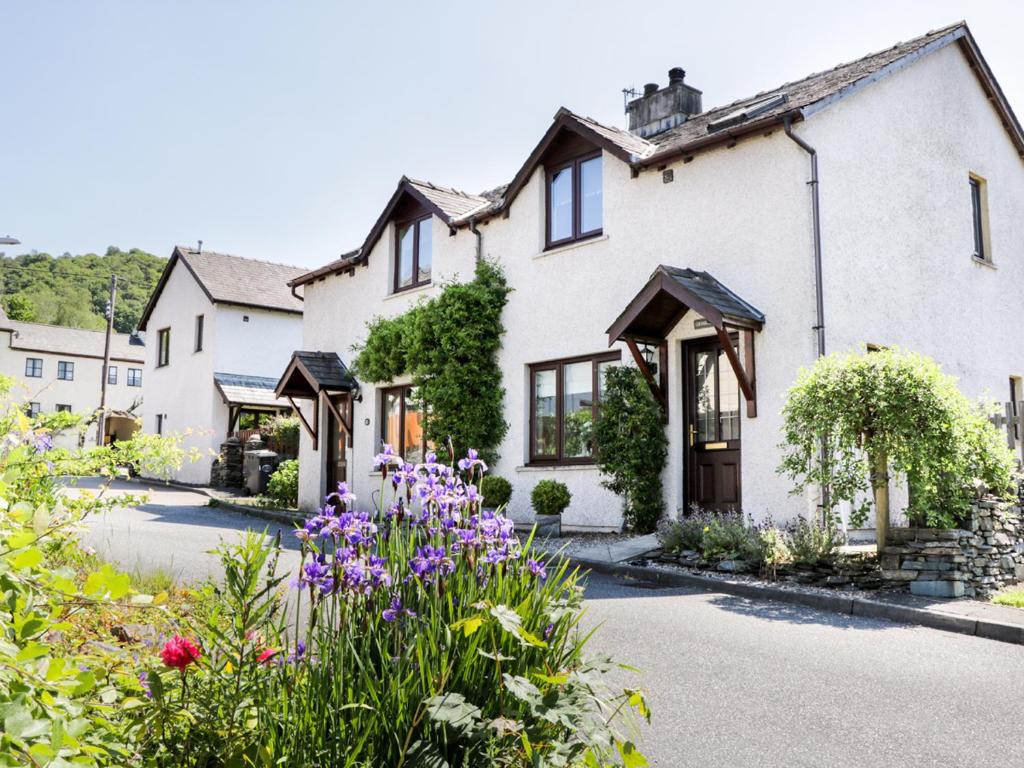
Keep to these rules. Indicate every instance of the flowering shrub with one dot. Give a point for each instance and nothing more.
(283, 485)
(811, 542)
(429, 635)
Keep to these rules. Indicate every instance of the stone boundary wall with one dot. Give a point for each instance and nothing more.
(974, 561)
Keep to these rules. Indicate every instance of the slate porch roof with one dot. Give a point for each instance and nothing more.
(239, 389)
(796, 100)
(670, 293)
(309, 373)
(227, 279)
(73, 342)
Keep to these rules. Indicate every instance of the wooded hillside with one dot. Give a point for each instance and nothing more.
(73, 290)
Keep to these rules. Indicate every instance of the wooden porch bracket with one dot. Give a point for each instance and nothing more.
(311, 431)
(656, 390)
(745, 381)
(346, 423)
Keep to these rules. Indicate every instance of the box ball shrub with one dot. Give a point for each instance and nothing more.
(496, 490)
(550, 497)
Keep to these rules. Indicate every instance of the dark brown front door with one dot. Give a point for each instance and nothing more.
(712, 427)
(337, 439)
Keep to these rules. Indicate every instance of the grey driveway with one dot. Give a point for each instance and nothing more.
(731, 682)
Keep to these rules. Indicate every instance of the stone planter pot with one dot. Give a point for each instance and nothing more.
(548, 525)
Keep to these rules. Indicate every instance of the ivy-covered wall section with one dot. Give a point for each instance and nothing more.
(449, 345)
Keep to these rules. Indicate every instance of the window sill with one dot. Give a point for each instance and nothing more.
(555, 467)
(408, 291)
(571, 246)
(983, 263)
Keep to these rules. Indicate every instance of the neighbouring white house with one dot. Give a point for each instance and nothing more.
(878, 202)
(61, 369)
(221, 328)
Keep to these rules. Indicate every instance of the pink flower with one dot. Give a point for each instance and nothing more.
(179, 652)
(266, 655)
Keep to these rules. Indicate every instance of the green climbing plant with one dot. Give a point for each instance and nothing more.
(449, 345)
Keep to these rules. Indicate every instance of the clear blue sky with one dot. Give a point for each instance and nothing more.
(278, 130)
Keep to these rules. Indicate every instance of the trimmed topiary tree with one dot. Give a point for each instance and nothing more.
(631, 447)
(851, 419)
(496, 490)
(550, 497)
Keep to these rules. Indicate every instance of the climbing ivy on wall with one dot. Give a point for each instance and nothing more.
(449, 345)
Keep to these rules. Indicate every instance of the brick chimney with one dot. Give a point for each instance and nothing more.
(660, 109)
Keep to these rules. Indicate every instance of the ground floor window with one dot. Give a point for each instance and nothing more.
(32, 409)
(564, 398)
(402, 423)
(63, 408)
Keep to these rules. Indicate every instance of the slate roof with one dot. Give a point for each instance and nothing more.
(454, 203)
(714, 293)
(227, 279)
(73, 342)
(328, 369)
(238, 389)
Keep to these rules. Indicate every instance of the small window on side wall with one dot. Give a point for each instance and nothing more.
(199, 333)
(979, 219)
(413, 254)
(163, 349)
(574, 201)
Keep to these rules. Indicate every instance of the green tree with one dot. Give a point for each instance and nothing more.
(20, 307)
(852, 419)
(631, 447)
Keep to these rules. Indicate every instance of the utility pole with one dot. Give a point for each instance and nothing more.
(101, 422)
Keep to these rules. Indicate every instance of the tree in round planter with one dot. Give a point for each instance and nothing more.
(496, 490)
(549, 499)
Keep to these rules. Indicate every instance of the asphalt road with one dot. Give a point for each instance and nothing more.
(731, 682)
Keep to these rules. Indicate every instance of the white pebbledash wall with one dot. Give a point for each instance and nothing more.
(896, 226)
(82, 393)
(184, 390)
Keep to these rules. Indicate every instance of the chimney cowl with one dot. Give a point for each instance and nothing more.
(650, 89)
(676, 76)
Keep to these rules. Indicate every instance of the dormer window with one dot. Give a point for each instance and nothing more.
(413, 254)
(574, 200)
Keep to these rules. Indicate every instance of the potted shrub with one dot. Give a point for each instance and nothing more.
(549, 499)
(496, 490)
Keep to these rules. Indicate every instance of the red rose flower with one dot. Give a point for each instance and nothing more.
(179, 652)
(267, 655)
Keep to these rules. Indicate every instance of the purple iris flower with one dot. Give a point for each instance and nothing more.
(538, 569)
(144, 682)
(395, 611)
(43, 443)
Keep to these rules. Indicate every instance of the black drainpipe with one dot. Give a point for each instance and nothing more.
(295, 294)
(479, 238)
(818, 293)
(816, 218)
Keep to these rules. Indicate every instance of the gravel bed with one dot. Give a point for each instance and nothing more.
(578, 544)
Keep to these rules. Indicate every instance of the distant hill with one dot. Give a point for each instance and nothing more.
(73, 290)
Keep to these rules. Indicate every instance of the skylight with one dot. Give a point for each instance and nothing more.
(748, 111)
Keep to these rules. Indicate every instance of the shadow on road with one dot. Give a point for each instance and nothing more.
(793, 614)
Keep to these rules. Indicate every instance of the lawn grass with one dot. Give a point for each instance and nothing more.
(1013, 597)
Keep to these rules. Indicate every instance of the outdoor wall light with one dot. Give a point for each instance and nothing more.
(647, 352)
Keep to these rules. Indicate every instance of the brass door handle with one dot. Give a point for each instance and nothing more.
(693, 435)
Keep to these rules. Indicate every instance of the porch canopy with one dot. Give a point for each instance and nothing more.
(669, 294)
(318, 376)
(247, 393)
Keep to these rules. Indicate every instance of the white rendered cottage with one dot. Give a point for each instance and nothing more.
(221, 328)
(878, 202)
(61, 369)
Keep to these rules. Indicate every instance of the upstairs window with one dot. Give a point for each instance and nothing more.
(413, 254)
(979, 218)
(574, 200)
(199, 332)
(112, 374)
(163, 347)
(134, 377)
(33, 367)
(65, 370)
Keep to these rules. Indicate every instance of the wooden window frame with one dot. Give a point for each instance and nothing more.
(137, 377)
(33, 409)
(577, 201)
(558, 366)
(1015, 398)
(65, 367)
(30, 366)
(980, 219)
(62, 408)
(200, 323)
(112, 374)
(403, 400)
(162, 359)
(416, 282)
